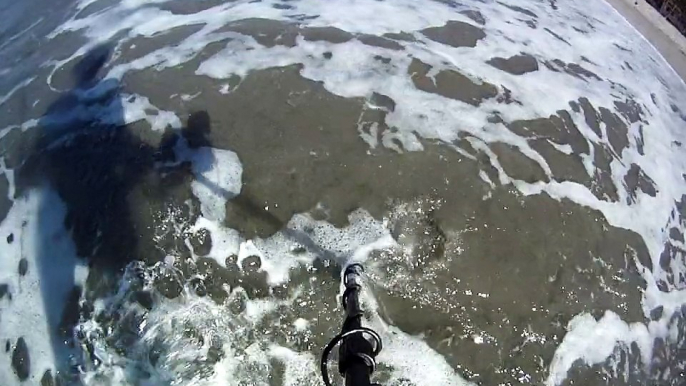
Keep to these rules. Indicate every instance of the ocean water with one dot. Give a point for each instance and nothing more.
(183, 182)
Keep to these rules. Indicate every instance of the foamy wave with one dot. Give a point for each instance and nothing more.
(590, 33)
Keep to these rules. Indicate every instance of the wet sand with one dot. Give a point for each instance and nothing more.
(312, 159)
(535, 260)
(487, 276)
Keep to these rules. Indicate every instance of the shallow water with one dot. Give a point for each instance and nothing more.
(185, 180)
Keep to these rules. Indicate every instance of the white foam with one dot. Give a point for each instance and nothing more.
(136, 108)
(243, 55)
(301, 324)
(184, 330)
(120, 109)
(300, 367)
(37, 222)
(305, 239)
(217, 179)
(397, 344)
(16, 88)
(353, 71)
(225, 241)
(593, 341)
(20, 34)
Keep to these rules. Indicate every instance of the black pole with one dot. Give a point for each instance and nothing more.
(358, 345)
(356, 353)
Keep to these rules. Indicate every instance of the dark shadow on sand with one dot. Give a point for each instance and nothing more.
(113, 186)
(87, 154)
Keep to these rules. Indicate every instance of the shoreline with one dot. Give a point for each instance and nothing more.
(657, 30)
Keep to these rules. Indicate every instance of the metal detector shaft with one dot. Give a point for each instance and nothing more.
(356, 352)
(358, 345)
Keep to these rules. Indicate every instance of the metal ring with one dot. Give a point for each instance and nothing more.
(337, 339)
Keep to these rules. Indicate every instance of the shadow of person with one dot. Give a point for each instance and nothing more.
(197, 130)
(91, 99)
(197, 149)
(85, 163)
(92, 161)
(104, 191)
